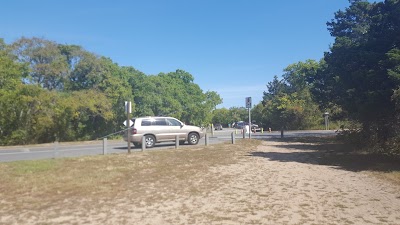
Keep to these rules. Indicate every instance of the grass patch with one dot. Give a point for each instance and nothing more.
(149, 176)
(390, 176)
(31, 167)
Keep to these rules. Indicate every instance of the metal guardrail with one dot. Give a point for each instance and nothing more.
(112, 134)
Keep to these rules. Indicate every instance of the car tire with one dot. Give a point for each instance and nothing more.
(193, 139)
(150, 141)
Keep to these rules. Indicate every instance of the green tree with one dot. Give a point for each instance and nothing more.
(238, 114)
(173, 94)
(48, 67)
(364, 78)
(50, 91)
(11, 75)
(259, 116)
(361, 67)
(221, 116)
(288, 102)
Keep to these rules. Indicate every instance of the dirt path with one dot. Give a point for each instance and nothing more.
(287, 186)
(273, 184)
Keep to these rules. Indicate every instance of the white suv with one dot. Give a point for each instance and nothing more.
(161, 129)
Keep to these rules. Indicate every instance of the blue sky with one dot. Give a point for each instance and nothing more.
(233, 47)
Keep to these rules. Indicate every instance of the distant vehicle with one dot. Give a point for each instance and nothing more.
(242, 125)
(161, 129)
(218, 126)
(255, 128)
(239, 125)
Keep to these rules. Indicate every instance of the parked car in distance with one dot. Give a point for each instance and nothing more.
(218, 126)
(162, 129)
(242, 125)
(255, 128)
(239, 125)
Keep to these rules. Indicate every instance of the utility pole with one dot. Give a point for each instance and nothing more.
(249, 124)
(248, 106)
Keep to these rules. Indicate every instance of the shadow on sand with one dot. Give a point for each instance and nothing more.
(327, 151)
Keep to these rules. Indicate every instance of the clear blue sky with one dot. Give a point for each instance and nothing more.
(233, 47)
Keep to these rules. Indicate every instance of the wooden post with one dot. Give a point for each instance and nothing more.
(104, 146)
(128, 110)
(176, 142)
(143, 143)
(56, 152)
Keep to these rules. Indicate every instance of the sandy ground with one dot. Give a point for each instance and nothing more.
(273, 184)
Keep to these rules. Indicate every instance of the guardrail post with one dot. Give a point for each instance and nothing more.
(143, 143)
(233, 138)
(176, 142)
(104, 146)
(206, 139)
(56, 152)
(262, 130)
(212, 130)
(244, 133)
(282, 133)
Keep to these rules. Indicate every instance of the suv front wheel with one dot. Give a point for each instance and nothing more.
(150, 140)
(193, 138)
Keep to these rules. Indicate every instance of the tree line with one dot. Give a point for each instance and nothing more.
(357, 81)
(51, 91)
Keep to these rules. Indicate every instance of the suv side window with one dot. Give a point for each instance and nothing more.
(172, 122)
(146, 122)
(160, 122)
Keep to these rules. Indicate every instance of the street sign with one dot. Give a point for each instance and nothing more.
(130, 123)
(248, 102)
(128, 107)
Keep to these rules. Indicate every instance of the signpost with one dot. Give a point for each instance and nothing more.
(248, 102)
(128, 110)
(248, 106)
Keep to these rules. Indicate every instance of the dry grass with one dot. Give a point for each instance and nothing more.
(163, 173)
(390, 176)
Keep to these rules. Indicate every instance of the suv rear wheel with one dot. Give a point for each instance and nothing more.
(150, 140)
(193, 139)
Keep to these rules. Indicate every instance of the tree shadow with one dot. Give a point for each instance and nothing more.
(327, 151)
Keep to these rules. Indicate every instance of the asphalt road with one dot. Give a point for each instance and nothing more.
(76, 149)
